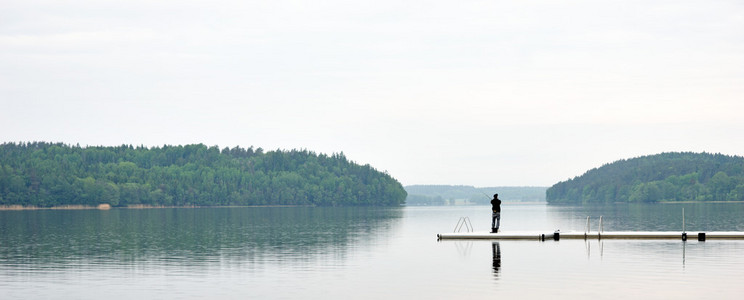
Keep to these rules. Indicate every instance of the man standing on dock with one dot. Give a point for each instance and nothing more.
(496, 216)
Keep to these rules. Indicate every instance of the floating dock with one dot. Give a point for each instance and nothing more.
(558, 235)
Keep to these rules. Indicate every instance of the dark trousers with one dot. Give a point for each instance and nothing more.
(495, 220)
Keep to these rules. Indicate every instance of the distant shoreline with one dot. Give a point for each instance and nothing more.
(108, 207)
(695, 202)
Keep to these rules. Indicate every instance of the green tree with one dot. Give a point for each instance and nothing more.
(661, 177)
(47, 174)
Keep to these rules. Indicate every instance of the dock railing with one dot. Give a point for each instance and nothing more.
(463, 221)
(588, 227)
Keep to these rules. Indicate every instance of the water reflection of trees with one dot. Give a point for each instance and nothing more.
(190, 236)
(651, 217)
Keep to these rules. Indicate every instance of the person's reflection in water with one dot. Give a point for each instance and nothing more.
(496, 259)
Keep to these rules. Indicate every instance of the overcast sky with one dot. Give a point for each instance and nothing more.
(484, 93)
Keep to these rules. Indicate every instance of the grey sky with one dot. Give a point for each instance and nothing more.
(481, 93)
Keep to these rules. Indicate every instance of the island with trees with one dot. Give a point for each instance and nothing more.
(665, 177)
(41, 174)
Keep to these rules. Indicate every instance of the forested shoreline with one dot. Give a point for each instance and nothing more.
(665, 177)
(41, 174)
(466, 194)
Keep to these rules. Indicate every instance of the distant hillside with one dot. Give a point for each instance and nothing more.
(662, 177)
(465, 194)
(46, 174)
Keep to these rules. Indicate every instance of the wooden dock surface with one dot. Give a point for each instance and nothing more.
(557, 235)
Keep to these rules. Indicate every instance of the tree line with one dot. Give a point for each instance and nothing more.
(53, 174)
(449, 194)
(665, 177)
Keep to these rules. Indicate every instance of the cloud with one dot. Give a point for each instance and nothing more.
(477, 92)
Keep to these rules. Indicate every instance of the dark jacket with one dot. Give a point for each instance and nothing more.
(496, 205)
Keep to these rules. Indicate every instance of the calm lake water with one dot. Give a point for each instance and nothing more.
(363, 253)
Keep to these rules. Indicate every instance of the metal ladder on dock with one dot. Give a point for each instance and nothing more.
(463, 221)
(588, 227)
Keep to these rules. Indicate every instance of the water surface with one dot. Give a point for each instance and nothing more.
(363, 253)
